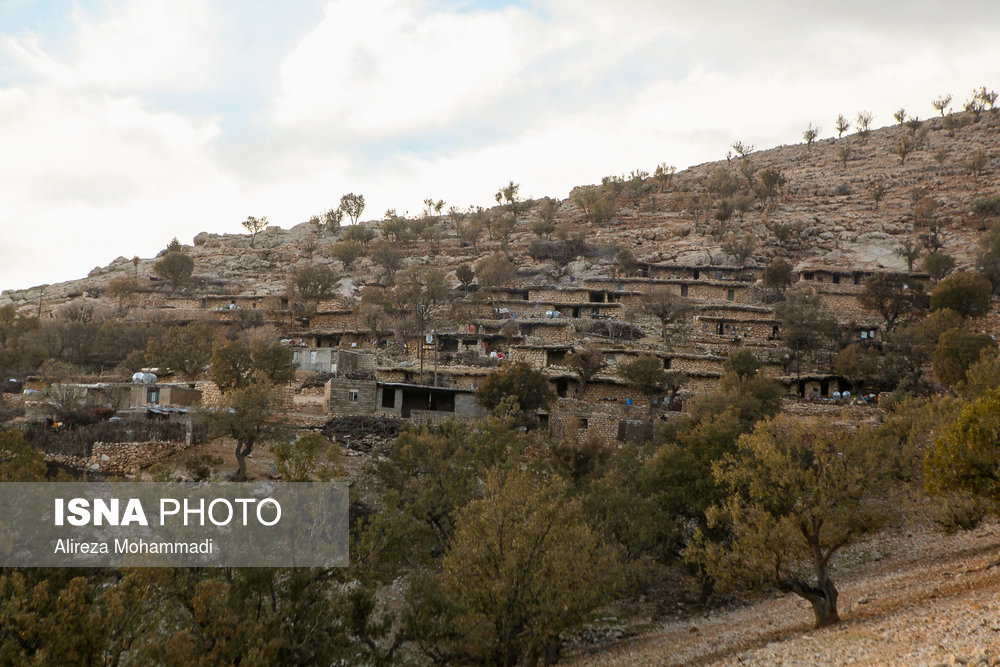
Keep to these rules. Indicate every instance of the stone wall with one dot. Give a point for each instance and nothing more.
(334, 318)
(584, 426)
(122, 458)
(530, 355)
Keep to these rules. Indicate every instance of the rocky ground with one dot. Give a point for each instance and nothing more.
(914, 597)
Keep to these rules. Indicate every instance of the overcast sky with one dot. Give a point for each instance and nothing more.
(124, 123)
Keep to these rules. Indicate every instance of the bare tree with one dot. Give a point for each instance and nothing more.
(254, 226)
(353, 204)
(842, 125)
(672, 310)
(864, 122)
(941, 103)
(810, 135)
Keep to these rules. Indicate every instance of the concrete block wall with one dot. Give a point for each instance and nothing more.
(338, 392)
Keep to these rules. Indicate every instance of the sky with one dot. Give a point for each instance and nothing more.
(125, 123)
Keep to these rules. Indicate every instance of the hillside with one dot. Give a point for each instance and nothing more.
(643, 317)
(826, 206)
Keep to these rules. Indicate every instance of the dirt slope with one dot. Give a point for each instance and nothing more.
(928, 599)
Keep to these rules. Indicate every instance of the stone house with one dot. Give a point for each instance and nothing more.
(368, 397)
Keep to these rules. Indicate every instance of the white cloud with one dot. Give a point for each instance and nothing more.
(154, 45)
(386, 66)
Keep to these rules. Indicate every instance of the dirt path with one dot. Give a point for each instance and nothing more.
(905, 599)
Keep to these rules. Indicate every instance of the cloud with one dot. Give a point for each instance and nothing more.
(151, 46)
(386, 67)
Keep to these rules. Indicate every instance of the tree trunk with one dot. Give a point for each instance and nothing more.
(823, 599)
(241, 453)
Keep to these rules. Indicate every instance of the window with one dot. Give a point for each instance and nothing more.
(684, 290)
(730, 295)
(153, 395)
(352, 395)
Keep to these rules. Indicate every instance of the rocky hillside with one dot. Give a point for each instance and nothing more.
(824, 214)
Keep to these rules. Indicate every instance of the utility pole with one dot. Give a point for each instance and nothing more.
(436, 351)
(40, 295)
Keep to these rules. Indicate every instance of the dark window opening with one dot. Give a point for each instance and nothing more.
(555, 357)
(697, 274)
(836, 279)
(730, 295)
(562, 387)
(666, 363)
(684, 290)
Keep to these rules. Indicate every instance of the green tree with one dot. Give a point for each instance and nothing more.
(966, 457)
(254, 226)
(864, 122)
(625, 262)
(186, 348)
(352, 204)
(308, 285)
(465, 275)
(967, 293)
(507, 196)
(332, 218)
(249, 417)
(524, 567)
(810, 134)
(877, 191)
(359, 234)
(389, 257)
(769, 183)
(941, 103)
(740, 248)
(494, 272)
(844, 152)
(518, 382)
(909, 251)
(857, 364)
(798, 493)
(672, 310)
(742, 362)
(891, 295)
(347, 252)
(778, 275)
(311, 458)
(19, 462)
(586, 363)
(236, 364)
(175, 266)
(956, 350)
(804, 324)
(842, 125)
(938, 265)
(646, 375)
(121, 289)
